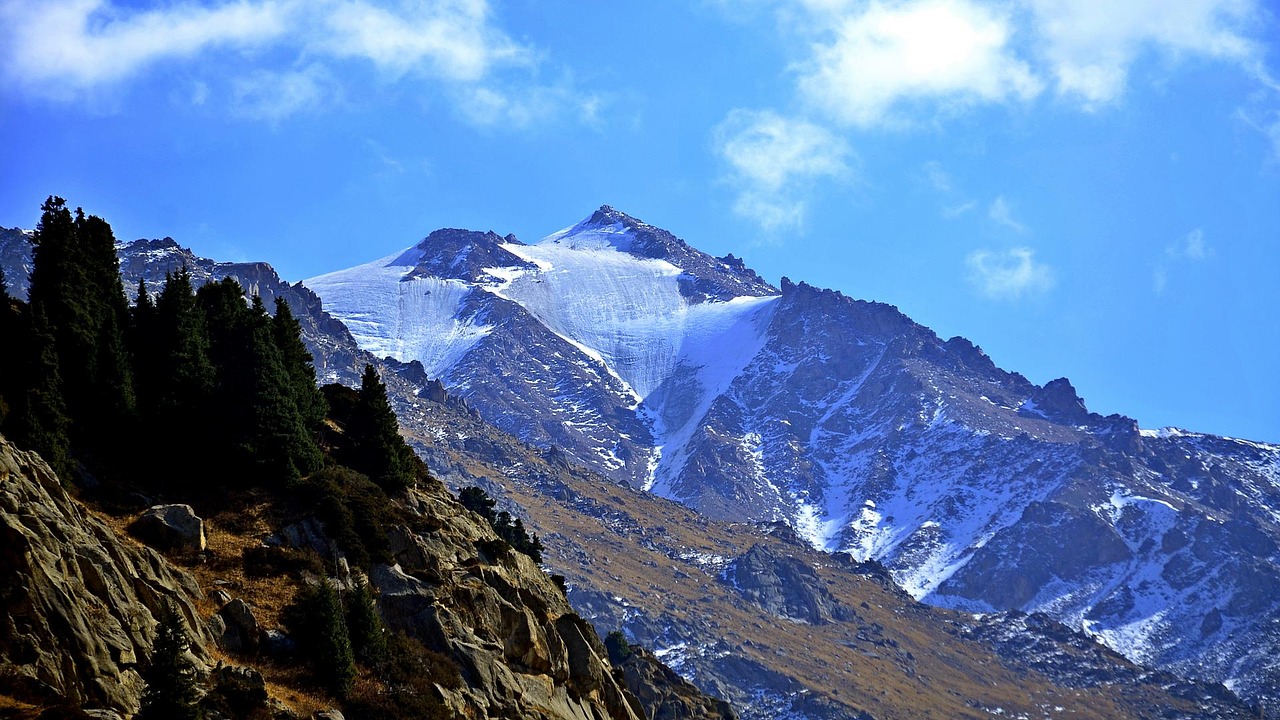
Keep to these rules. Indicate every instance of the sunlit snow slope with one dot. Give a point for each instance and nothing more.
(391, 313)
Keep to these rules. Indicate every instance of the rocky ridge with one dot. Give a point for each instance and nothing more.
(798, 633)
(870, 435)
(79, 603)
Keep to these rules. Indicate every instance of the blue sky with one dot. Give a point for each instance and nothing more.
(1085, 189)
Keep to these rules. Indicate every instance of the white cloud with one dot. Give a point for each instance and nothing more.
(887, 58)
(63, 48)
(951, 212)
(77, 44)
(1009, 275)
(1190, 248)
(1000, 214)
(1090, 46)
(274, 96)
(450, 39)
(937, 177)
(771, 158)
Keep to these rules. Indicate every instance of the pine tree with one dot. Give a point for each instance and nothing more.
(282, 444)
(8, 338)
(75, 287)
(37, 416)
(178, 380)
(298, 363)
(171, 692)
(364, 625)
(373, 432)
(318, 624)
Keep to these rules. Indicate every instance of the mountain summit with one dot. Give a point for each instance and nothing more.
(686, 375)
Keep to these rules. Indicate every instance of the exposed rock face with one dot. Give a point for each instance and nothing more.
(241, 630)
(523, 651)
(78, 603)
(171, 527)
(659, 572)
(870, 435)
(666, 695)
(784, 586)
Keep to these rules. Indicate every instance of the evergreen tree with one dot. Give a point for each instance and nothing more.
(8, 338)
(37, 416)
(75, 287)
(317, 623)
(511, 530)
(310, 402)
(478, 501)
(373, 433)
(143, 343)
(364, 625)
(178, 379)
(171, 692)
(282, 443)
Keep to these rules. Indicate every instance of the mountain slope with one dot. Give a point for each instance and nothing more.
(751, 613)
(687, 375)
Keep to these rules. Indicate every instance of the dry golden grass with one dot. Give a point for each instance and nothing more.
(918, 668)
(229, 533)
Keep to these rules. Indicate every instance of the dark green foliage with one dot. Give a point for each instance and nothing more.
(409, 675)
(297, 360)
(176, 383)
(274, 561)
(364, 624)
(8, 338)
(255, 409)
(510, 530)
(317, 624)
(76, 290)
(374, 446)
(352, 509)
(171, 692)
(478, 501)
(37, 417)
(619, 649)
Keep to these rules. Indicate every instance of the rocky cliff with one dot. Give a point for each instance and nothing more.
(78, 603)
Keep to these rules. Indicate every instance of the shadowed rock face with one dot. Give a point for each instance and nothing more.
(784, 586)
(78, 604)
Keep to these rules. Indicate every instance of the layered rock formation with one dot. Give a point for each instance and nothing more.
(78, 603)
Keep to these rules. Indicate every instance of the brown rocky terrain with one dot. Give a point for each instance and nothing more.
(752, 613)
(80, 601)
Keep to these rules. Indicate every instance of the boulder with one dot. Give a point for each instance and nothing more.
(241, 633)
(170, 527)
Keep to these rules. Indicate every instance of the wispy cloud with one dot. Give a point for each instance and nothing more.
(1190, 248)
(771, 159)
(1010, 275)
(70, 45)
(274, 96)
(936, 176)
(893, 62)
(1089, 47)
(450, 39)
(887, 59)
(999, 213)
(284, 56)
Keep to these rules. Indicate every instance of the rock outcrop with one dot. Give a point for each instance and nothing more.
(78, 603)
(171, 527)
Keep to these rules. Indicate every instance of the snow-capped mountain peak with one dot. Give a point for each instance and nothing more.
(688, 375)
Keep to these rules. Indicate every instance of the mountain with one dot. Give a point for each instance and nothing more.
(752, 613)
(822, 405)
(659, 366)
